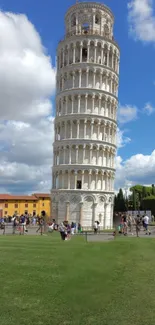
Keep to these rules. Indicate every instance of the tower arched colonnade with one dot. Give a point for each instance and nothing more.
(88, 51)
(85, 128)
(86, 103)
(84, 154)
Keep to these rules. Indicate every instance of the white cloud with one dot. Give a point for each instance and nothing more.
(127, 113)
(27, 79)
(138, 169)
(27, 82)
(149, 109)
(142, 20)
(121, 139)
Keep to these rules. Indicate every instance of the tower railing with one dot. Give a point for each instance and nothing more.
(89, 31)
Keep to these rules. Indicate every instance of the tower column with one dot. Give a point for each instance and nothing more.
(86, 103)
(69, 180)
(94, 78)
(78, 128)
(72, 99)
(74, 47)
(75, 179)
(87, 77)
(79, 101)
(77, 154)
(85, 128)
(73, 79)
(93, 102)
(64, 157)
(70, 157)
(89, 179)
(71, 129)
(80, 78)
(88, 52)
(90, 157)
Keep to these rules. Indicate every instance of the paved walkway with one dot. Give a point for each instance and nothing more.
(9, 231)
(102, 237)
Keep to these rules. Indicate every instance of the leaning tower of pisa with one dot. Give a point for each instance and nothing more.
(86, 111)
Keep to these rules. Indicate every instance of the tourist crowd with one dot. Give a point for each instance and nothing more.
(66, 229)
(128, 223)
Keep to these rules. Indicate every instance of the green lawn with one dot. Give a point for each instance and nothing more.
(46, 281)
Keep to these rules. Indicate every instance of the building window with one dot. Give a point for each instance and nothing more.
(34, 205)
(26, 212)
(73, 21)
(26, 205)
(42, 204)
(15, 212)
(6, 212)
(79, 185)
(34, 213)
(84, 54)
(97, 19)
(16, 205)
(6, 205)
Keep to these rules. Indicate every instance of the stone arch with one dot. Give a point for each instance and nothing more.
(102, 199)
(91, 197)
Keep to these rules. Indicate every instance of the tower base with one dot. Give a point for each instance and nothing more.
(83, 207)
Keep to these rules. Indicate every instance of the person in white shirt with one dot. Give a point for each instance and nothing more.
(95, 227)
(146, 223)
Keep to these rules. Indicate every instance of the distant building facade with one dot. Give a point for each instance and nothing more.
(34, 204)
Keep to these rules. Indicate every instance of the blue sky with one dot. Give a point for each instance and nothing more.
(137, 75)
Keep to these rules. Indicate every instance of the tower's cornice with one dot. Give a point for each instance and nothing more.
(89, 5)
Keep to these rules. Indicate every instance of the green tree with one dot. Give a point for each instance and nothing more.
(121, 201)
(153, 190)
(115, 204)
(134, 199)
(149, 203)
(144, 192)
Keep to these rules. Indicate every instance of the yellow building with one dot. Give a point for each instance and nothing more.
(34, 204)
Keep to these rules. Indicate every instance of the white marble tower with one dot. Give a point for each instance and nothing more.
(86, 112)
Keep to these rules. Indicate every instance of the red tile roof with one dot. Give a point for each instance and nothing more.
(41, 195)
(18, 197)
(33, 197)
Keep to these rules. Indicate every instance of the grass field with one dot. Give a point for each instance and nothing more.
(46, 281)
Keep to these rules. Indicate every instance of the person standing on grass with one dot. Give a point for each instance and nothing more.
(72, 228)
(40, 222)
(129, 222)
(95, 227)
(146, 224)
(79, 228)
(138, 223)
(124, 225)
(63, 231)
(14, 224)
